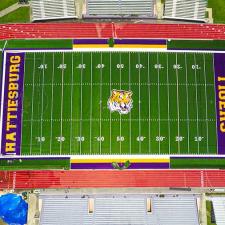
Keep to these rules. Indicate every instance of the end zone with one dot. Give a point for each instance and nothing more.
(12, 98)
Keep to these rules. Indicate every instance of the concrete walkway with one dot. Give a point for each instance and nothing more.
(12, 8)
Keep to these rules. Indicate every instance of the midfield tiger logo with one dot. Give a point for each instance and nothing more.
(120, 101)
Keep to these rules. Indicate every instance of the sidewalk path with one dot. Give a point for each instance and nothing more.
(12, 8)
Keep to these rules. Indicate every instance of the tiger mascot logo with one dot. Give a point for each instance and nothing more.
(120, 101)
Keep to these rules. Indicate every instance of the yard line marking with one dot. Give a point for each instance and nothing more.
(187, 94)
(110, 115)
(168, 100)
(81, 99)
(178, 109)
(159, 116)
(22, 104)
(120, 114)
(62, 92)
(32, 107)
(149, 109)
(71, 107)
(130, 111)
(53, 75)
(42, 104)
(91, 109)
(206, 107)
(139, 100)
(100, 143)
(196, 95)
(215, 102)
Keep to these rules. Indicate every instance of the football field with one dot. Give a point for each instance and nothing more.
(65, 103)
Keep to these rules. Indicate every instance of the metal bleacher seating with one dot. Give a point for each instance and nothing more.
(183, 9)
(52, 9)
(120, 8)
(120, 210)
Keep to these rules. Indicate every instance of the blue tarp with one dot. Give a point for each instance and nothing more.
(13, 209)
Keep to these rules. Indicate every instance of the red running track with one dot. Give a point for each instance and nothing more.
(116, 30)
(111, 179)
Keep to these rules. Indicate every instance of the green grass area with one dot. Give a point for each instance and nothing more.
(218, 7)
(30, 164)
(6, 3)
(65, 103)
(21, 15)
(204, 163)
(39, 44)
(208, 212)
(196, 44)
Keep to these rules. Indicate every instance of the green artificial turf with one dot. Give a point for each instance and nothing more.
(65, 110)
(30, 164)
(197, 163)
(21, 15)
(6, 3)
(208, 212)
(218, 7)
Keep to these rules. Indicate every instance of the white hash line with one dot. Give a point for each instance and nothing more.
(139, 100)
(125, 119)
(120, 114)
(91, 108)
(196, 95)
(32, 107)
(61, 128)
(206, 107)
(122, 83)
(130, 125)
(214, 74)
(149, 108)
(168, 100)
(42, 102)
(71, 108)
(52, 99)
(81, 101)
(187, 94)
(100, 114)
(159, 116)
(178, 109)
(110, 115)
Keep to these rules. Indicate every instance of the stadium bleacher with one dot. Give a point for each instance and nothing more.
(121, 210)
(52, 9)
(219, 208)
(108, 8)
(185, 10)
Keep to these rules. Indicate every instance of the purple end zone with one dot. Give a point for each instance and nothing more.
(219, 65)
(12, 103)
(141, 41)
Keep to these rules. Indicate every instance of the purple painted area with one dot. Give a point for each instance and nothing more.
(90, 41)
(219, 65)
(197, 49)
(11, 136)
(109, 166)
(141, 41)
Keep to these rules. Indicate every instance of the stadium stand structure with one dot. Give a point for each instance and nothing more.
(128, 209)
(219, 209)
(108, 30)
(120, 8)
(111, 179)
(52, 9)
(185, 10)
